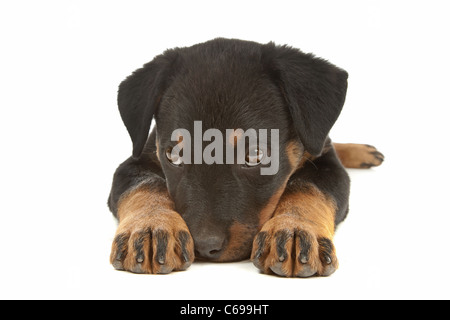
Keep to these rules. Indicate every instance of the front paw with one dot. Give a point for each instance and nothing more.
(158, 244)
(290, 247)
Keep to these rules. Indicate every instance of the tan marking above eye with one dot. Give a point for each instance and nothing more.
(235, 136)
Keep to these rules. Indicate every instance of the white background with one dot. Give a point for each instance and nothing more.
(62, 138)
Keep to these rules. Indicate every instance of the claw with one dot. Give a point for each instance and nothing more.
(282, 237)
(161, 247)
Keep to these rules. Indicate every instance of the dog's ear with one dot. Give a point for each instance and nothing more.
(139, 96)
(313, 88)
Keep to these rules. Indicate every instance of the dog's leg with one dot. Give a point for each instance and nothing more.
(298, 239)
(151, 236)
(358, 155)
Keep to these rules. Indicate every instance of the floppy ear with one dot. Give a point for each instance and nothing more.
(313, 88)
(139, 95)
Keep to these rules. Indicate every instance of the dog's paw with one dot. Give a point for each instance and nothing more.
(359, 155)
(287, 247)
(370, 156)
(157, 244)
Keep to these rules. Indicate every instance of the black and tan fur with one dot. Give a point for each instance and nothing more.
(170, 215)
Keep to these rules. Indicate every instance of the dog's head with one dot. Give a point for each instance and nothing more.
(228, 85)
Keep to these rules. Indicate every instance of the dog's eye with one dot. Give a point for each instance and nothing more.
(254, 157)
(173, 158)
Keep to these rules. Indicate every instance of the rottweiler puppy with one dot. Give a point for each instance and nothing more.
(172, 211)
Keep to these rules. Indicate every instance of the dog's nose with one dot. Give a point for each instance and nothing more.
(209, 247)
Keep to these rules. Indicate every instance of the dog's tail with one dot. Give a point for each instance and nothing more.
(358, 155)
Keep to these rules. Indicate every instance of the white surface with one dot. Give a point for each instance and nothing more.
(62, 138)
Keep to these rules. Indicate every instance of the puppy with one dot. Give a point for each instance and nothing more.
(177, 207)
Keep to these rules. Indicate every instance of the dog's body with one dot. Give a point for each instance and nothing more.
(171, 212)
